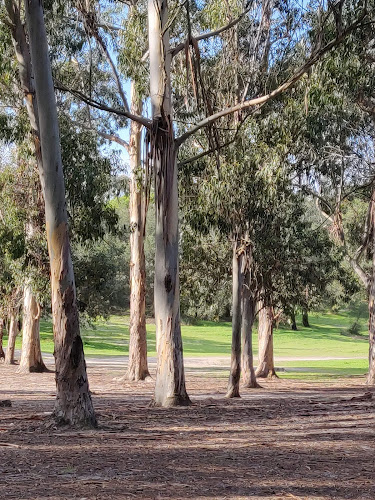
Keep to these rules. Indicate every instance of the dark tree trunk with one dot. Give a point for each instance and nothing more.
(305, 318)
(73, 404)
(137, 367)
(371, 330)
(248, 314)
(237, 282)
(2, 353)
(371, 302)
(265, 366)
(293, 323)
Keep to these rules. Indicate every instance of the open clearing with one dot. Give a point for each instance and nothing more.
(292, 439)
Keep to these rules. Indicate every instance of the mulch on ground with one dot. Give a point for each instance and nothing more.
(288, 440)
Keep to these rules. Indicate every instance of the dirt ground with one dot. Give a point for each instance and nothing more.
(288, 440)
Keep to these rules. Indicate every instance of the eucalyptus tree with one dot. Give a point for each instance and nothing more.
(17, 182)
(88, 182)
(292, 253)
(73, 400)
(338, 161)
(107, 63)
(163, 148)
(31, 358)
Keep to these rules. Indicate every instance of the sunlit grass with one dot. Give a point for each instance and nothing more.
(328, 337)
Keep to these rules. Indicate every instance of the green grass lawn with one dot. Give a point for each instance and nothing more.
(327, 338)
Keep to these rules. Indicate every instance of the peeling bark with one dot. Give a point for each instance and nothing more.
(265, 368)
(73, 404)
(248, 315)
(73, 399)
(170, 389)
(233, 390)
(371, 329)
(137, 367)
(12, 335)
(31, 354)
(371, 302)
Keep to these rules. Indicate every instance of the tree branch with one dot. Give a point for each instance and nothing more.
(353, 261)
(114, 138)
(368, 227)
(258, 101)
(91, 26)
(110, 137)
(362, 275)
(174, 51)
(103, 107)
(318, 197)
(217, 148)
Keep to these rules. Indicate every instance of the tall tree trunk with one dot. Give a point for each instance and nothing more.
(305, 318)
(73, 400)
(12, 335)
(248, 315)
(137, 367)
(371, 329)
(305, 314)
(170, 387)
(371, 302)
(293, 324)
(2, 353)
(265, 366)
(31, 354)
(237, 282)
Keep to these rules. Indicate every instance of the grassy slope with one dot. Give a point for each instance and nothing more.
(324, 339)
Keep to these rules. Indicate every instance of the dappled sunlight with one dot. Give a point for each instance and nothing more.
(289, 438)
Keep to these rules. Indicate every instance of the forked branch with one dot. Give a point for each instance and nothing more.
(259, 101)
(210, 34)
(103, 107)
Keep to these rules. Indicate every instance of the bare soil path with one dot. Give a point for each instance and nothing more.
(288, 440)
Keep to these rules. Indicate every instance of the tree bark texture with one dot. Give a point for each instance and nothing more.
(371, 302)
(293, 324)
(371, 330)
(73, 404)
(170, 389)
(2, 353)
(237, 282)
(12, 335)
(305, 318)
(265, 366)
(137, 367)
(248, 316)
(31, 354)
